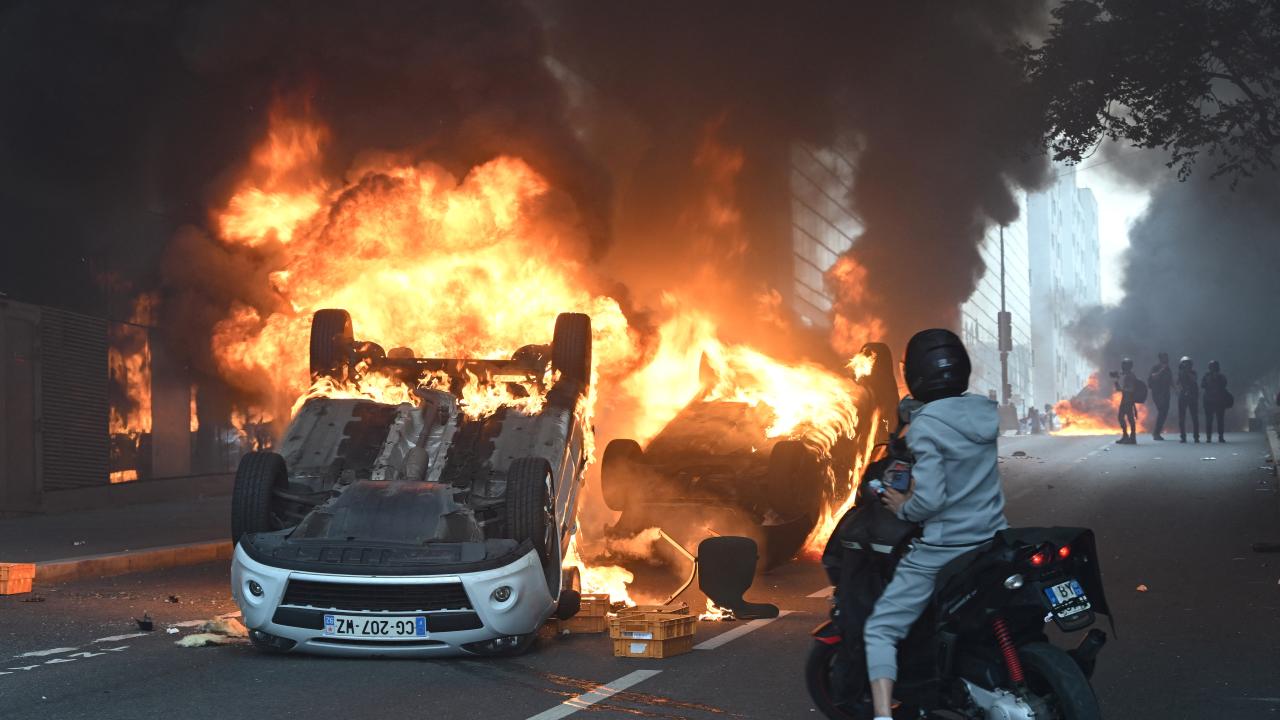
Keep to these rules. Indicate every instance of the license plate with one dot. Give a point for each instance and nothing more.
(1067, 599)
(363, 626)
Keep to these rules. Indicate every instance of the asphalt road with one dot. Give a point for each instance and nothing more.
(1200, 642)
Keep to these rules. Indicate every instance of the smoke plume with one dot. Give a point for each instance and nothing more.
(923, 89)
(1199, 280)
(124, 121)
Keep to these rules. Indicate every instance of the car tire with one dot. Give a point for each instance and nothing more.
(793, 482)
(530, 511)
(331, 341)
(257, 476)
(571, 349)
(617, 472)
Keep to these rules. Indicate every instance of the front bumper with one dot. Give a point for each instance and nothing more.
(522, 613)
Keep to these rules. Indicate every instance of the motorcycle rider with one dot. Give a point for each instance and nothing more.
(1126, 385)
(1160, 381)
(955, 493)
(1188, 398)
(1215, 400)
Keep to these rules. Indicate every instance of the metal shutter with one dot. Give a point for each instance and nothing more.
(73, 400)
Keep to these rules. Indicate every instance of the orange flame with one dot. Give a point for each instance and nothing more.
(1093, 411)
(476, 267)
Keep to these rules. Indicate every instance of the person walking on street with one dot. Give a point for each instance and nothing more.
(1216, 400)
(1127, 384)
(1160, 381)
(1188, 398)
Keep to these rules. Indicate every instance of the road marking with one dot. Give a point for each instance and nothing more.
(42, 653)
(601, 692)
(116, 638)
(824, 592)
(727, 637)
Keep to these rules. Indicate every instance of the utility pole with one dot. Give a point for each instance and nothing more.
(1005, 323)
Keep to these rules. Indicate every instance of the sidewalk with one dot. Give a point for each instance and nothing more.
(115, 541)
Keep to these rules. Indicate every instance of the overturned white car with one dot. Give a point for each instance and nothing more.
(415, 529)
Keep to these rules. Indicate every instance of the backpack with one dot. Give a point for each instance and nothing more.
(1139, 391)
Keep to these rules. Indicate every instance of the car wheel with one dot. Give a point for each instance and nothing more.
(618, 472)
(531, 513)
(331, 341)
(571, 349)
(793, 483)
(258, 474)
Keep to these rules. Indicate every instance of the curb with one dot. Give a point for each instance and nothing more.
(131, 561)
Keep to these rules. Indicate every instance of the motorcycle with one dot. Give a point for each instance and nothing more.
(979, 650)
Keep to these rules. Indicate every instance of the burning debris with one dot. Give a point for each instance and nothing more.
(1093, 411)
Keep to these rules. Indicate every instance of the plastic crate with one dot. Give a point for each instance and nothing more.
(672, 609)
(15, 578)
(594, 605)
(652, 626)
(586, 624)
(652, 648)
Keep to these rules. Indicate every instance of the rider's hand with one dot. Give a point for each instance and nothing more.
(894, 500)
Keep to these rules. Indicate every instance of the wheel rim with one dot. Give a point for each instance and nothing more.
(548, 518)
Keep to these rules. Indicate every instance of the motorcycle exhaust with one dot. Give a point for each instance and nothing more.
(1086, 653)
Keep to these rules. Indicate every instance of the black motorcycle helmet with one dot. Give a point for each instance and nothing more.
(1214, 366)
(936, 365)
(1126, 364)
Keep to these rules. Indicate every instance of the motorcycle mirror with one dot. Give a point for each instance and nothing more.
(726, 568)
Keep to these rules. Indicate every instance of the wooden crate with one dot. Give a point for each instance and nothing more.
(670, 647)
(15, 578)
(586, 624)
(672, 609)
(652, 626)
(594, 605)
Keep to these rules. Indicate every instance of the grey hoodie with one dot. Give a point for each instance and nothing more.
(957, 493)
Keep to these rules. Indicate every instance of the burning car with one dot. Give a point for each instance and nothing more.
(728, 464)
(436, 525)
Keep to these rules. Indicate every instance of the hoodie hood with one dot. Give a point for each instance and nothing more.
(973, 417)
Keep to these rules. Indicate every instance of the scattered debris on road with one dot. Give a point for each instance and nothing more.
(145, 623)
(1142, 588)
(218, 631)
(1208, 458)
(173, 599)
(1019, 453)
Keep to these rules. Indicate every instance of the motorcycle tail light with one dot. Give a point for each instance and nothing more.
(1039, 559)
(1064, 552)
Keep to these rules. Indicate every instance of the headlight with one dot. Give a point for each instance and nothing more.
(1013, 582)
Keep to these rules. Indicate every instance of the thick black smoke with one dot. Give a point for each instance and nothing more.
(924, 89)
(123, 121)
(1200, 279)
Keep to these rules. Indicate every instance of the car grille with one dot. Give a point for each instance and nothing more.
(354, 596)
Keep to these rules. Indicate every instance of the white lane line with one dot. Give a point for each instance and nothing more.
(824, 592)
(601, 692)
(42, 653)
(731, 635)
(115, 638)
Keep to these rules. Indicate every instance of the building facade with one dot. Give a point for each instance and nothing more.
(823, 226)
(1062, 223)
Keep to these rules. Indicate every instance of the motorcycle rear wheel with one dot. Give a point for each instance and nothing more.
(1054, 677)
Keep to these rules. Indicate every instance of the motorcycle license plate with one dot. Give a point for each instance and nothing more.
(362, 626)
(1067, 598)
